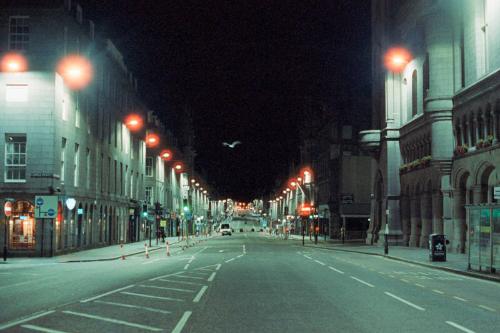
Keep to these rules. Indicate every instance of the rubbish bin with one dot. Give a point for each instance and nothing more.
(437, 247)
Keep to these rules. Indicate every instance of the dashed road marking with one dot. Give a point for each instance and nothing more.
(211, 277)
(404, 301)
(186, 267)
(20, 321)
(181, 282)
(200, 294)
(180, 324)
(460, 298)
(114, 321)
(218, 267)
(307, 257)
(404, 280)
(460, 327)
(419, 285)
(487, 308)
(336, 270)
(106, 294)
(41, 329)
(146, 308)
(438, 291)
(152, 296)
(229, 260)
(320, 262)
(363, 282)
(167, 288)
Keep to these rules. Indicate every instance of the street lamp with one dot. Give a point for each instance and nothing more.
(152, 140)
(134, 122)
(166, 155)
(13, 62)
(76, 71)
(396, 59)
(178, 167)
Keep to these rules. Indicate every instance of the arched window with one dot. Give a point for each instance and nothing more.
(414, 106)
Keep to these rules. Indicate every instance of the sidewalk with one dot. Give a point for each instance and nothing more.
(455, 262)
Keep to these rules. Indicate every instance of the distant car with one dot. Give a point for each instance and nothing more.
(225, 229)
(241, 230)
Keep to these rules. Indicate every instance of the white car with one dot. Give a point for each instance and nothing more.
(225, 229)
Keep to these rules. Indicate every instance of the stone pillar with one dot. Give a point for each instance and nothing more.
(462, 134)
(405, 219)
(495, 125)
(458, 240)
(415, 221)
(469, 133)
(426, 218)
(437, 212)
(477, 130)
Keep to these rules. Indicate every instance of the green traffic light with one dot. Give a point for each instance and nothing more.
(186, 209)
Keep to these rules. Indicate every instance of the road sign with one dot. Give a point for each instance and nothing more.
(46, 206)
(496, 192)
(7, 208)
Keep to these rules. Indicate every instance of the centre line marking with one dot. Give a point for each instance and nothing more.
(487, 308)
(438, 291)
(168, 288)
(41, 329)
(336, 270)
(186, 267)
(106, 294)
(404, 301)
(200, 294)
(419, 285)
(229, 260)
(114, 321)
(218, 267)
(320, 262)
(307, 257)
(151, 296)
(191, 260)
(363, 282)
(35, 316)
(211, 278)
(460, 327)
(460, 298)
(180, 325)
(133, 306)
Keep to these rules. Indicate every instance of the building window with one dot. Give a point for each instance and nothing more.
(15, 158)
(149, 167)
(87, 183)
(414, 104)
(149, 195)
(63, 159)
(19, 33)
(425, 78)
(16, 93)
(76, 165)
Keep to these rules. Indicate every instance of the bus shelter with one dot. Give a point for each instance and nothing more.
(484, 237)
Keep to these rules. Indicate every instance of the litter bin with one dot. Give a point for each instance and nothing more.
(437, 247)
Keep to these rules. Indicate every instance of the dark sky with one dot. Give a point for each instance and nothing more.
(243, 69)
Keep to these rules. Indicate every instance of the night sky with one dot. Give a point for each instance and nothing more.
(243, 69)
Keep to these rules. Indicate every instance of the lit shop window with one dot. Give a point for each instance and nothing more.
(16, 93)
(22, 226)
(15, 158)
(19, 33)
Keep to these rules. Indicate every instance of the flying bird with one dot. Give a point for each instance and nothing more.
(232, 145)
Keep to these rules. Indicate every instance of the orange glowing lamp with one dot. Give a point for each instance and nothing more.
(166, 155)
(13, 62)
(178, 167)
(152, 140)
(134, 122)
(396, 59)
(76, 71)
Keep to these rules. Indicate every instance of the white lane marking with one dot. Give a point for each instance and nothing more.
(211, 278)
(167, 288)
(200, 294)
(392, 276)
(106, 294)
(41, 329)
(133, 306)
(239, 256)
(336, 270)
(320, 262)
(363, 282)
(191, 260)
(203, 249)
(151, 262)
(181, 282)
(164, 276)
(460, 298)
(438, 291)
(114, 321)
(404, 301)
(25, 282)
(404, 280)
(187, 266)
(189, 277)
(151, 296)
(307, 257)
(218, 267)
(20, 321)
(180, 324)
(229, 260)
(220, 251)
(460, 327)
(419, 285)
(487, 308)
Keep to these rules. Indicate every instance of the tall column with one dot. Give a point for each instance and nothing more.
(458, 240)
(437, 212)
(469, 132)
(462, 134)
(496, 120)
(405, 219)
(415, 221)
(426, 218)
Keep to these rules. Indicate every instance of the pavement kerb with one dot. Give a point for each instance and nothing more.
(443, 268)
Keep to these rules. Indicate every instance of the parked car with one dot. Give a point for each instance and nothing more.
(225, 229)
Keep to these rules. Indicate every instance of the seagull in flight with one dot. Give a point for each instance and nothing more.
(232, 145)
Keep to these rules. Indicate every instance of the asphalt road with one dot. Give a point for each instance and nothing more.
(244, 283)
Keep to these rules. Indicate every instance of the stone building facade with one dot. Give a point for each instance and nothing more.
(435, 124)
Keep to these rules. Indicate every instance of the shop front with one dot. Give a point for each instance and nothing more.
(22, 228)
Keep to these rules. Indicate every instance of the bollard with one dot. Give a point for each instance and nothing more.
(121, 251)
(147, 252)
(168, 249)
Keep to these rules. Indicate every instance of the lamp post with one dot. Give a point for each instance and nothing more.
(386, 241)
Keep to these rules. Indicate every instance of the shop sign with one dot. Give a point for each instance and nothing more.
(46, 206)
(7, 208)
(496, 192)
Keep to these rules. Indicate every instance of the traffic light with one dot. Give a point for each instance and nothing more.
(145, 210)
